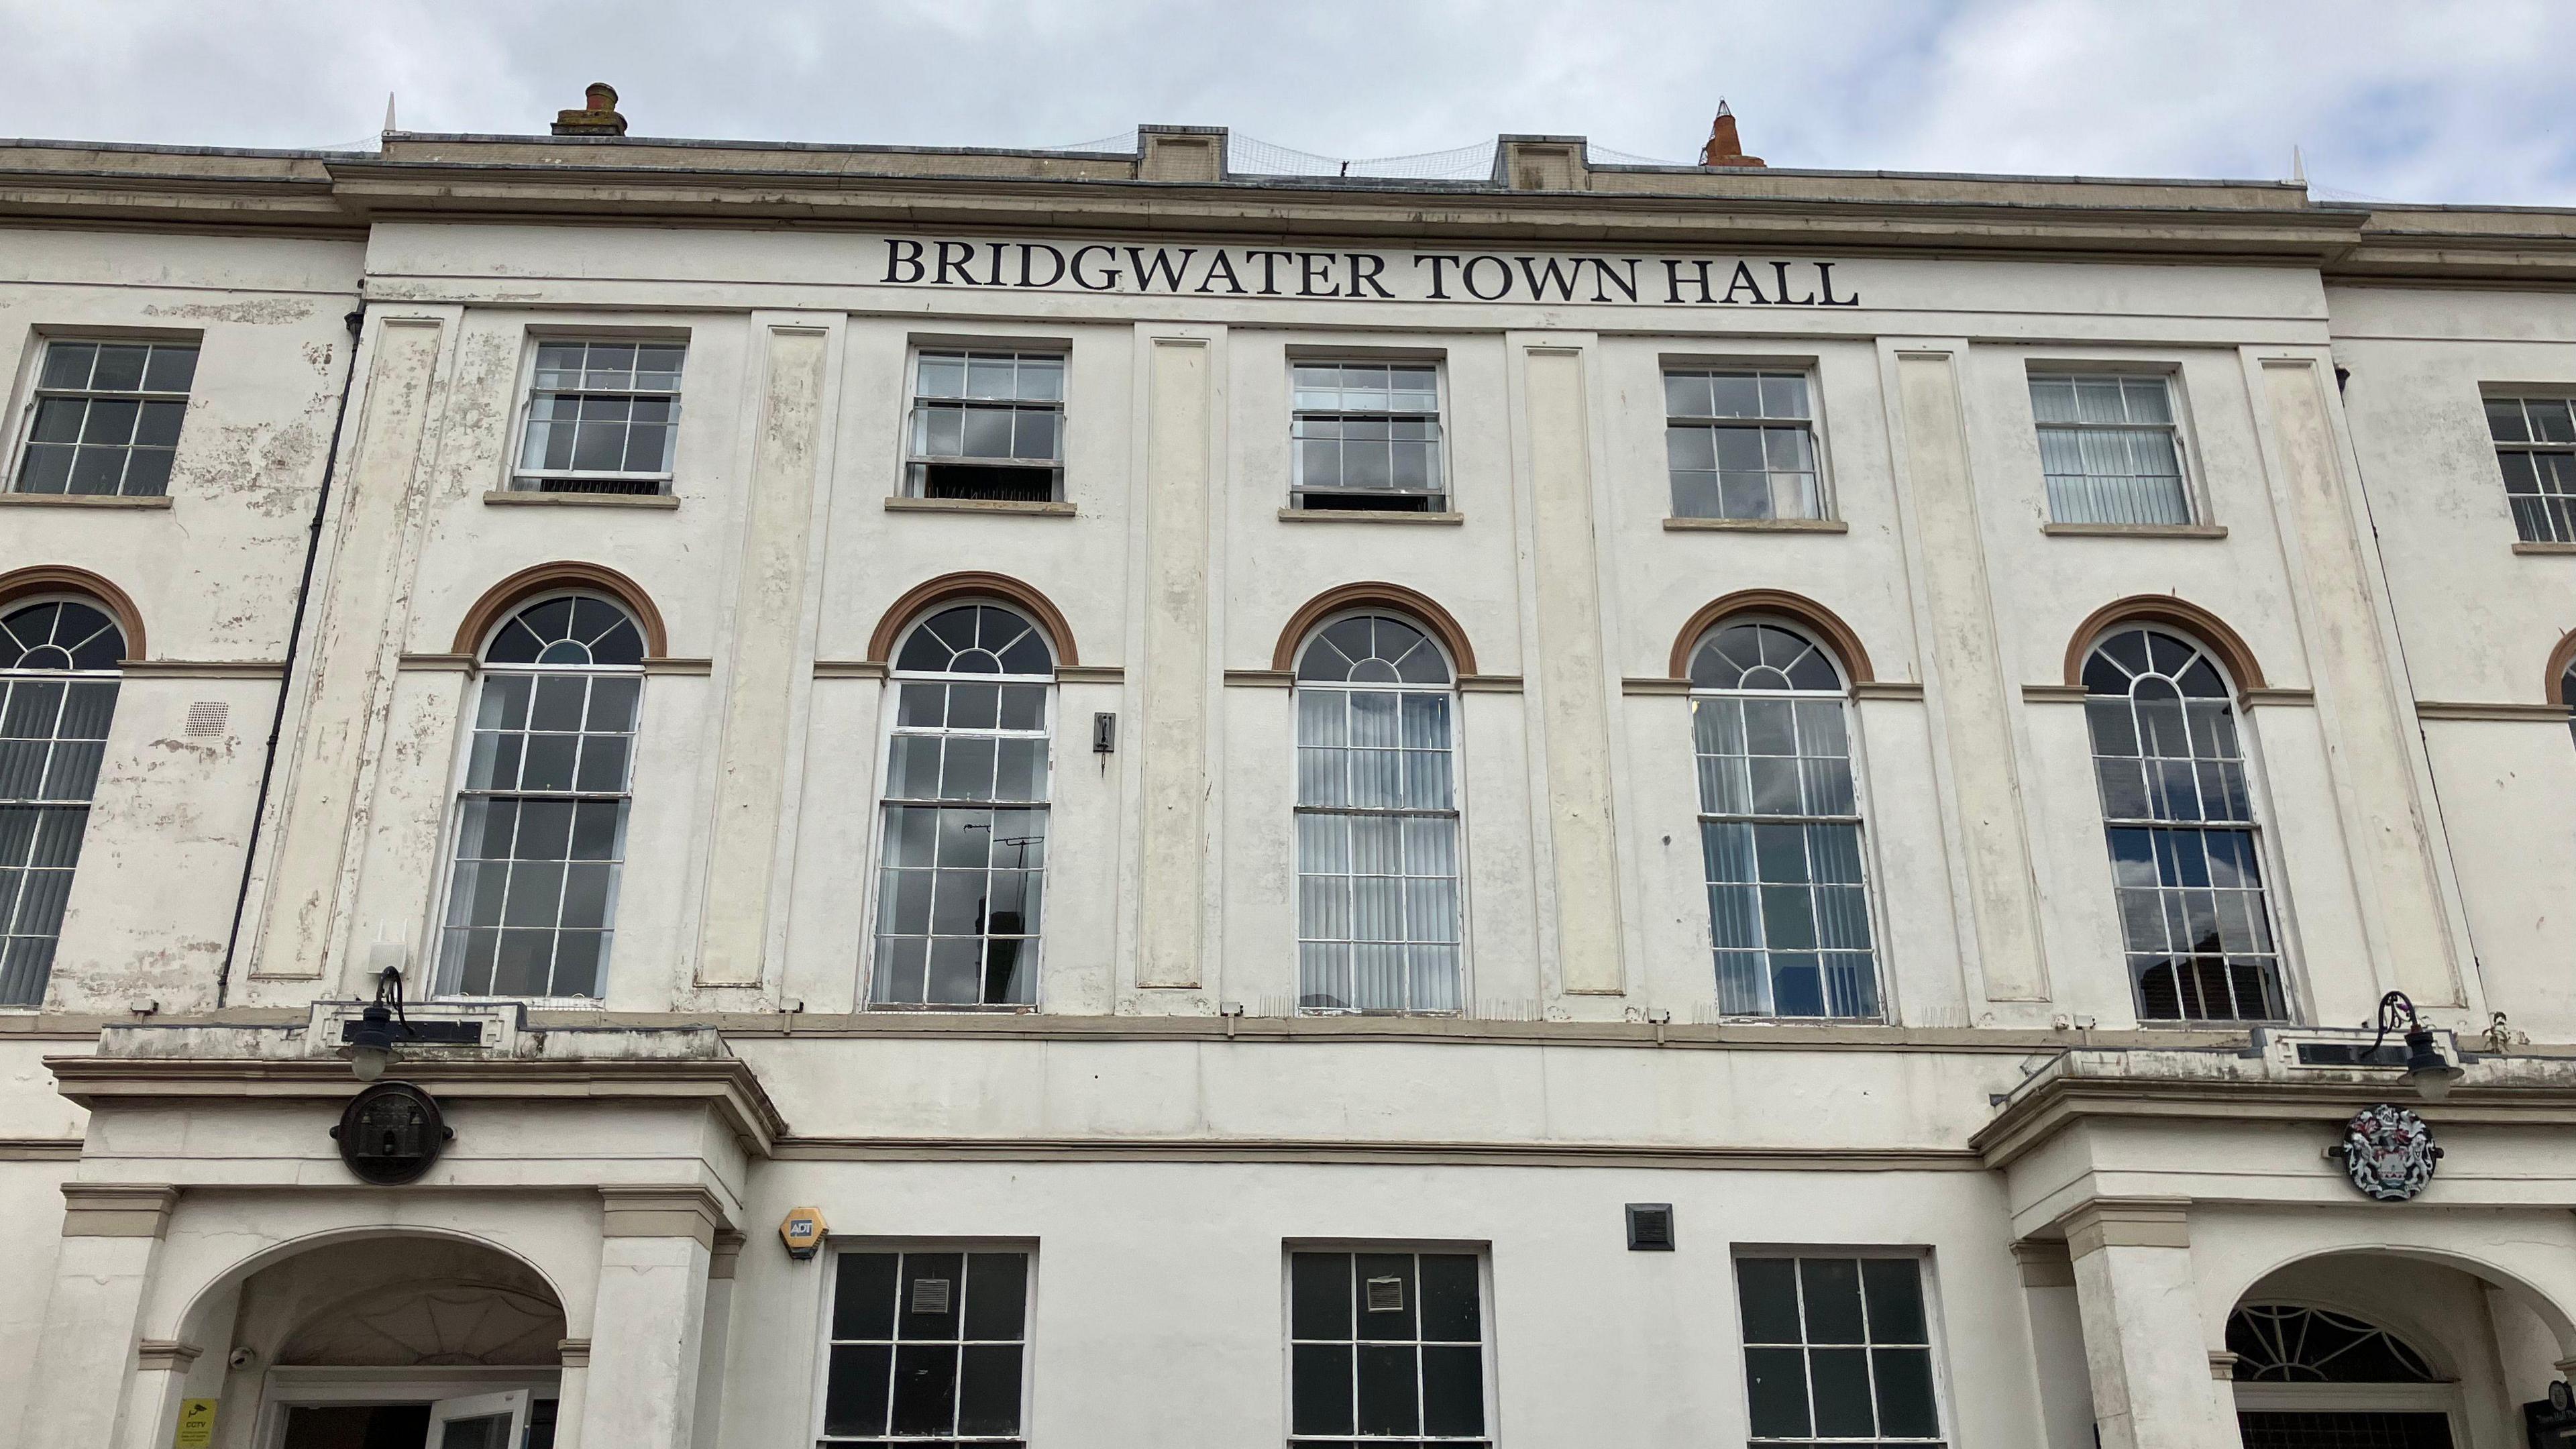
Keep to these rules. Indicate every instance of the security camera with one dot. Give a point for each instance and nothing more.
(243, 1358)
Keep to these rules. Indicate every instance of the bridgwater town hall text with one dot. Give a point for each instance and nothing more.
(668, 794)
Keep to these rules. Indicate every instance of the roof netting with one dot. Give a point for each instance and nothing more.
(1252, 156)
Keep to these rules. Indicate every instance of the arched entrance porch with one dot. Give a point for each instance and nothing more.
(389, 1342)
(2386, 1350)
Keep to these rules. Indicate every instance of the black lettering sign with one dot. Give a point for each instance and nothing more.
(1612, 281)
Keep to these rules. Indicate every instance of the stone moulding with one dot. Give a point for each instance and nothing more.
(727, 1086)
(2518, 1091)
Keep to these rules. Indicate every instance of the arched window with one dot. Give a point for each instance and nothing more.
(2184, 857)
(2567, 690)
(541, 822)
(964, 860)
(2281, 1343)
(1377, 820)
(1780, 826)
(58, 676)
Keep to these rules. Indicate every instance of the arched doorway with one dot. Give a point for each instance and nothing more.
(396, 1343)
(2312, 1378)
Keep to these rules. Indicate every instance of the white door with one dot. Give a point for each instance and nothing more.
(483, 1421)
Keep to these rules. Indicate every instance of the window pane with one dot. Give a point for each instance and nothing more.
(1831, 1296)
(1905, 1400)
(988, 1389)
(1894, 1288)
(1449, 1298)
(1453, 1390)
(1389, 1385)
(1768, 1291)
(854, 1402)
(1776, 1392)
(1844, 1409)
(925, 1389)
(997, 1290)
(1321, 1391)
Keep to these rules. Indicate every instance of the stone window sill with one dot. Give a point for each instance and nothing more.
(514, 497)
(1756, 525)
(2544, 548)
(1364, 515)
(2134, 530)
(1024, 507)
(82, 500)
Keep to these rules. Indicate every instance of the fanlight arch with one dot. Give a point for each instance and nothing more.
(1758, 654)
(928, 598)
(62, 635)
(1819, 624)
(1372, 647)
(976, 638)
(545, 580)
(568, 630)
(2289, 1343)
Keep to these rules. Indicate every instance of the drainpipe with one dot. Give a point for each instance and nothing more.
(285, 680)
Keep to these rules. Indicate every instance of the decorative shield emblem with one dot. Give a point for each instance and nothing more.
(2388, 1153)
(390, 1133)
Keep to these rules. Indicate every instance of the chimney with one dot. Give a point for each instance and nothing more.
(1723, 149)
(597, 117)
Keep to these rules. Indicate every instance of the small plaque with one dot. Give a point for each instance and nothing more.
(1386, 1295)
(390, 1133)
(196, 1424)
(803, 1231)
(930, 1296)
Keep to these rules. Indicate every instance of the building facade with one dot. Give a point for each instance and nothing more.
(1645, 805)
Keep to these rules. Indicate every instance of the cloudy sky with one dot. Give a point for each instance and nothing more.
(2413, 101)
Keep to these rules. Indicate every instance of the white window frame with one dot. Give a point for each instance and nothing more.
(1480, 1250)
(434, 929)
(1935, 1330)
(516, 479)
(2268, 847)
(912, 476)
(30, 391)
(9, 904)
(2196, 509)
(1443, 500)
(2558, 513)
(1805, 370)
(1458, 810)
(1881, 947)
(822, 1332)
(890, 707)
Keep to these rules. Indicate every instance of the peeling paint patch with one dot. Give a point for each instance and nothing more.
(266, 311)
(265, 467)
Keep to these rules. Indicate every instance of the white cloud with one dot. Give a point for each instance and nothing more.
(2419, 101)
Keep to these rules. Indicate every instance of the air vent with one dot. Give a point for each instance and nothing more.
(1650, 1227)
(1386, 1295)
(208, 717)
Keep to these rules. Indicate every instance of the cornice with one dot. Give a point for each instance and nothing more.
(727, 1085)
(1369, 1153)
(2058, 1102)
(467, 192)
(641, 180)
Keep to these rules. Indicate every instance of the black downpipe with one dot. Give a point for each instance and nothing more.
(286, 680)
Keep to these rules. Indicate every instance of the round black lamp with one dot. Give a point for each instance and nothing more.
(2430, 1071)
